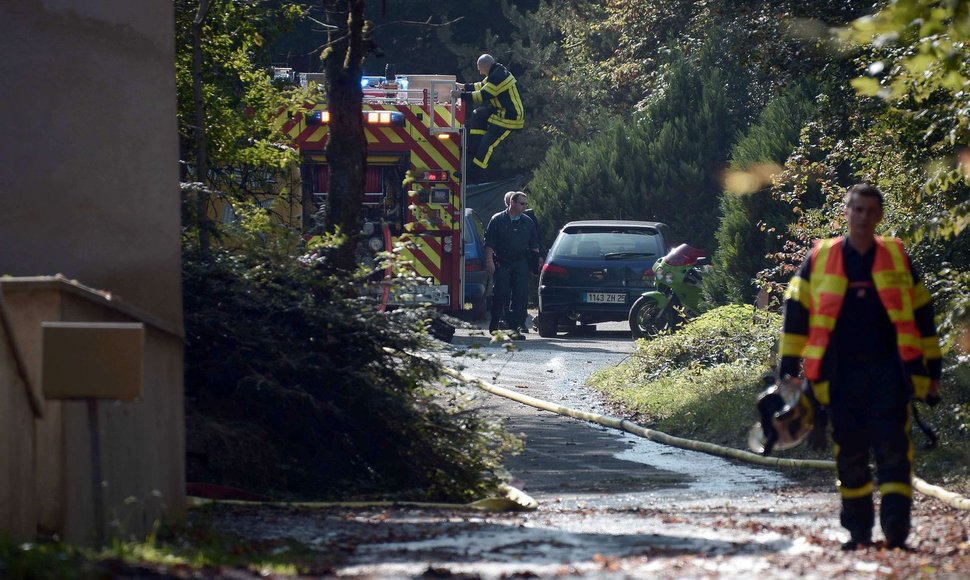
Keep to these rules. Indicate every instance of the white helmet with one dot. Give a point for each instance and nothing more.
(786, 417)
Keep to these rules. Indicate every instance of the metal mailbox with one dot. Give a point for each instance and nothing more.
(100, 360)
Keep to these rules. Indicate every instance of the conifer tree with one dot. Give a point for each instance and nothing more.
(749, 213)
(663, 166)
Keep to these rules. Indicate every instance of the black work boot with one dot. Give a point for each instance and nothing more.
(895, 520)
(858, 516)
(856, 543)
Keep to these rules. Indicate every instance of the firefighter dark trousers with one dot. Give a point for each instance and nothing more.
(484, 137)
(870, 410)
(511, 281)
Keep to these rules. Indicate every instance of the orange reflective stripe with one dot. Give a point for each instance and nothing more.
(827, 288)
(894, 282)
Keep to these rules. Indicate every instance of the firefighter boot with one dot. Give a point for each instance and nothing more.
(858, 516)
(895, 520)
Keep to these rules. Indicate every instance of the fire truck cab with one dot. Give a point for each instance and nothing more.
(411, 125)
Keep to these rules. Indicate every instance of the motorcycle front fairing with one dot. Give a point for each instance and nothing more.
(660, 298)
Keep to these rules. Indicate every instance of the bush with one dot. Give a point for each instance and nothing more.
(295, 386)
(702, 381)
(949, 464)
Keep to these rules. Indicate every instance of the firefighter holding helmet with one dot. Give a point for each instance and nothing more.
(498, 111)
(861, 321)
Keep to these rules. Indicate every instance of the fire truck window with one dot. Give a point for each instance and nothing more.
(393, 195)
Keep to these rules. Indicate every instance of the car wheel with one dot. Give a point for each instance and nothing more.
(548, 325)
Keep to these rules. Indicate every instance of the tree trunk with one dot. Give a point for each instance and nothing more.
(346, 147)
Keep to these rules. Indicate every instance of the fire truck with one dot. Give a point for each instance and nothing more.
(411, 125)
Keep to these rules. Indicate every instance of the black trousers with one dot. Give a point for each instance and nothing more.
(484, 137)
(511, 282)
(871, 414)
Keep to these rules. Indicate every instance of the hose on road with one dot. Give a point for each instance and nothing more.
(952, 499)
(512, 499)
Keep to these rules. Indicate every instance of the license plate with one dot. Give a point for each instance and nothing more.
(605, 298)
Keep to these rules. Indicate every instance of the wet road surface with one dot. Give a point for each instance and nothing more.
(611, 505)
(567, 457)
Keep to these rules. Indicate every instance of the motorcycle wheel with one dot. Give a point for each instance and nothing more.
(647, 319)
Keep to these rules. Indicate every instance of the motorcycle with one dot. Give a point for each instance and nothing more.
(676, 296)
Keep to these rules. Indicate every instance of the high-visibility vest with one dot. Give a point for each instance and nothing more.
(893, 280)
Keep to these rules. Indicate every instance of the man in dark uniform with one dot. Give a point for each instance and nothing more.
(498, 111)
(511, 241)
(861, 319)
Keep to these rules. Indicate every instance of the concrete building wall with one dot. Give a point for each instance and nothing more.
(89, 189)
(89, 147)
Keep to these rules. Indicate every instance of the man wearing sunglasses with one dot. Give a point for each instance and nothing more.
(511, 240)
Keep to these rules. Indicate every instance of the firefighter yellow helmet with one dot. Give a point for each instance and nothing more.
(786, 417)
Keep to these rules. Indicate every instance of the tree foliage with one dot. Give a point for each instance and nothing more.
(294, 384)
(665, 165)
(297, 388)
(242, 158)
(899, 126)
(917, 60)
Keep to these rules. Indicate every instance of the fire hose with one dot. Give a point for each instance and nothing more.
(512, 499)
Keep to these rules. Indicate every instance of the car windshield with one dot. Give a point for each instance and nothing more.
(606, 243)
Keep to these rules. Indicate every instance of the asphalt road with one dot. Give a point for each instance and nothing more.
(566, 458)
(611, 505)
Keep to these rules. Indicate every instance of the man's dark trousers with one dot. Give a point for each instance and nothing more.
(511, 280)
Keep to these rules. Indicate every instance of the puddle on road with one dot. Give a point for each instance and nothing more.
(712, 476)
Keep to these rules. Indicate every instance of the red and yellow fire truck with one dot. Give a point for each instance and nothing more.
(411, 125)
